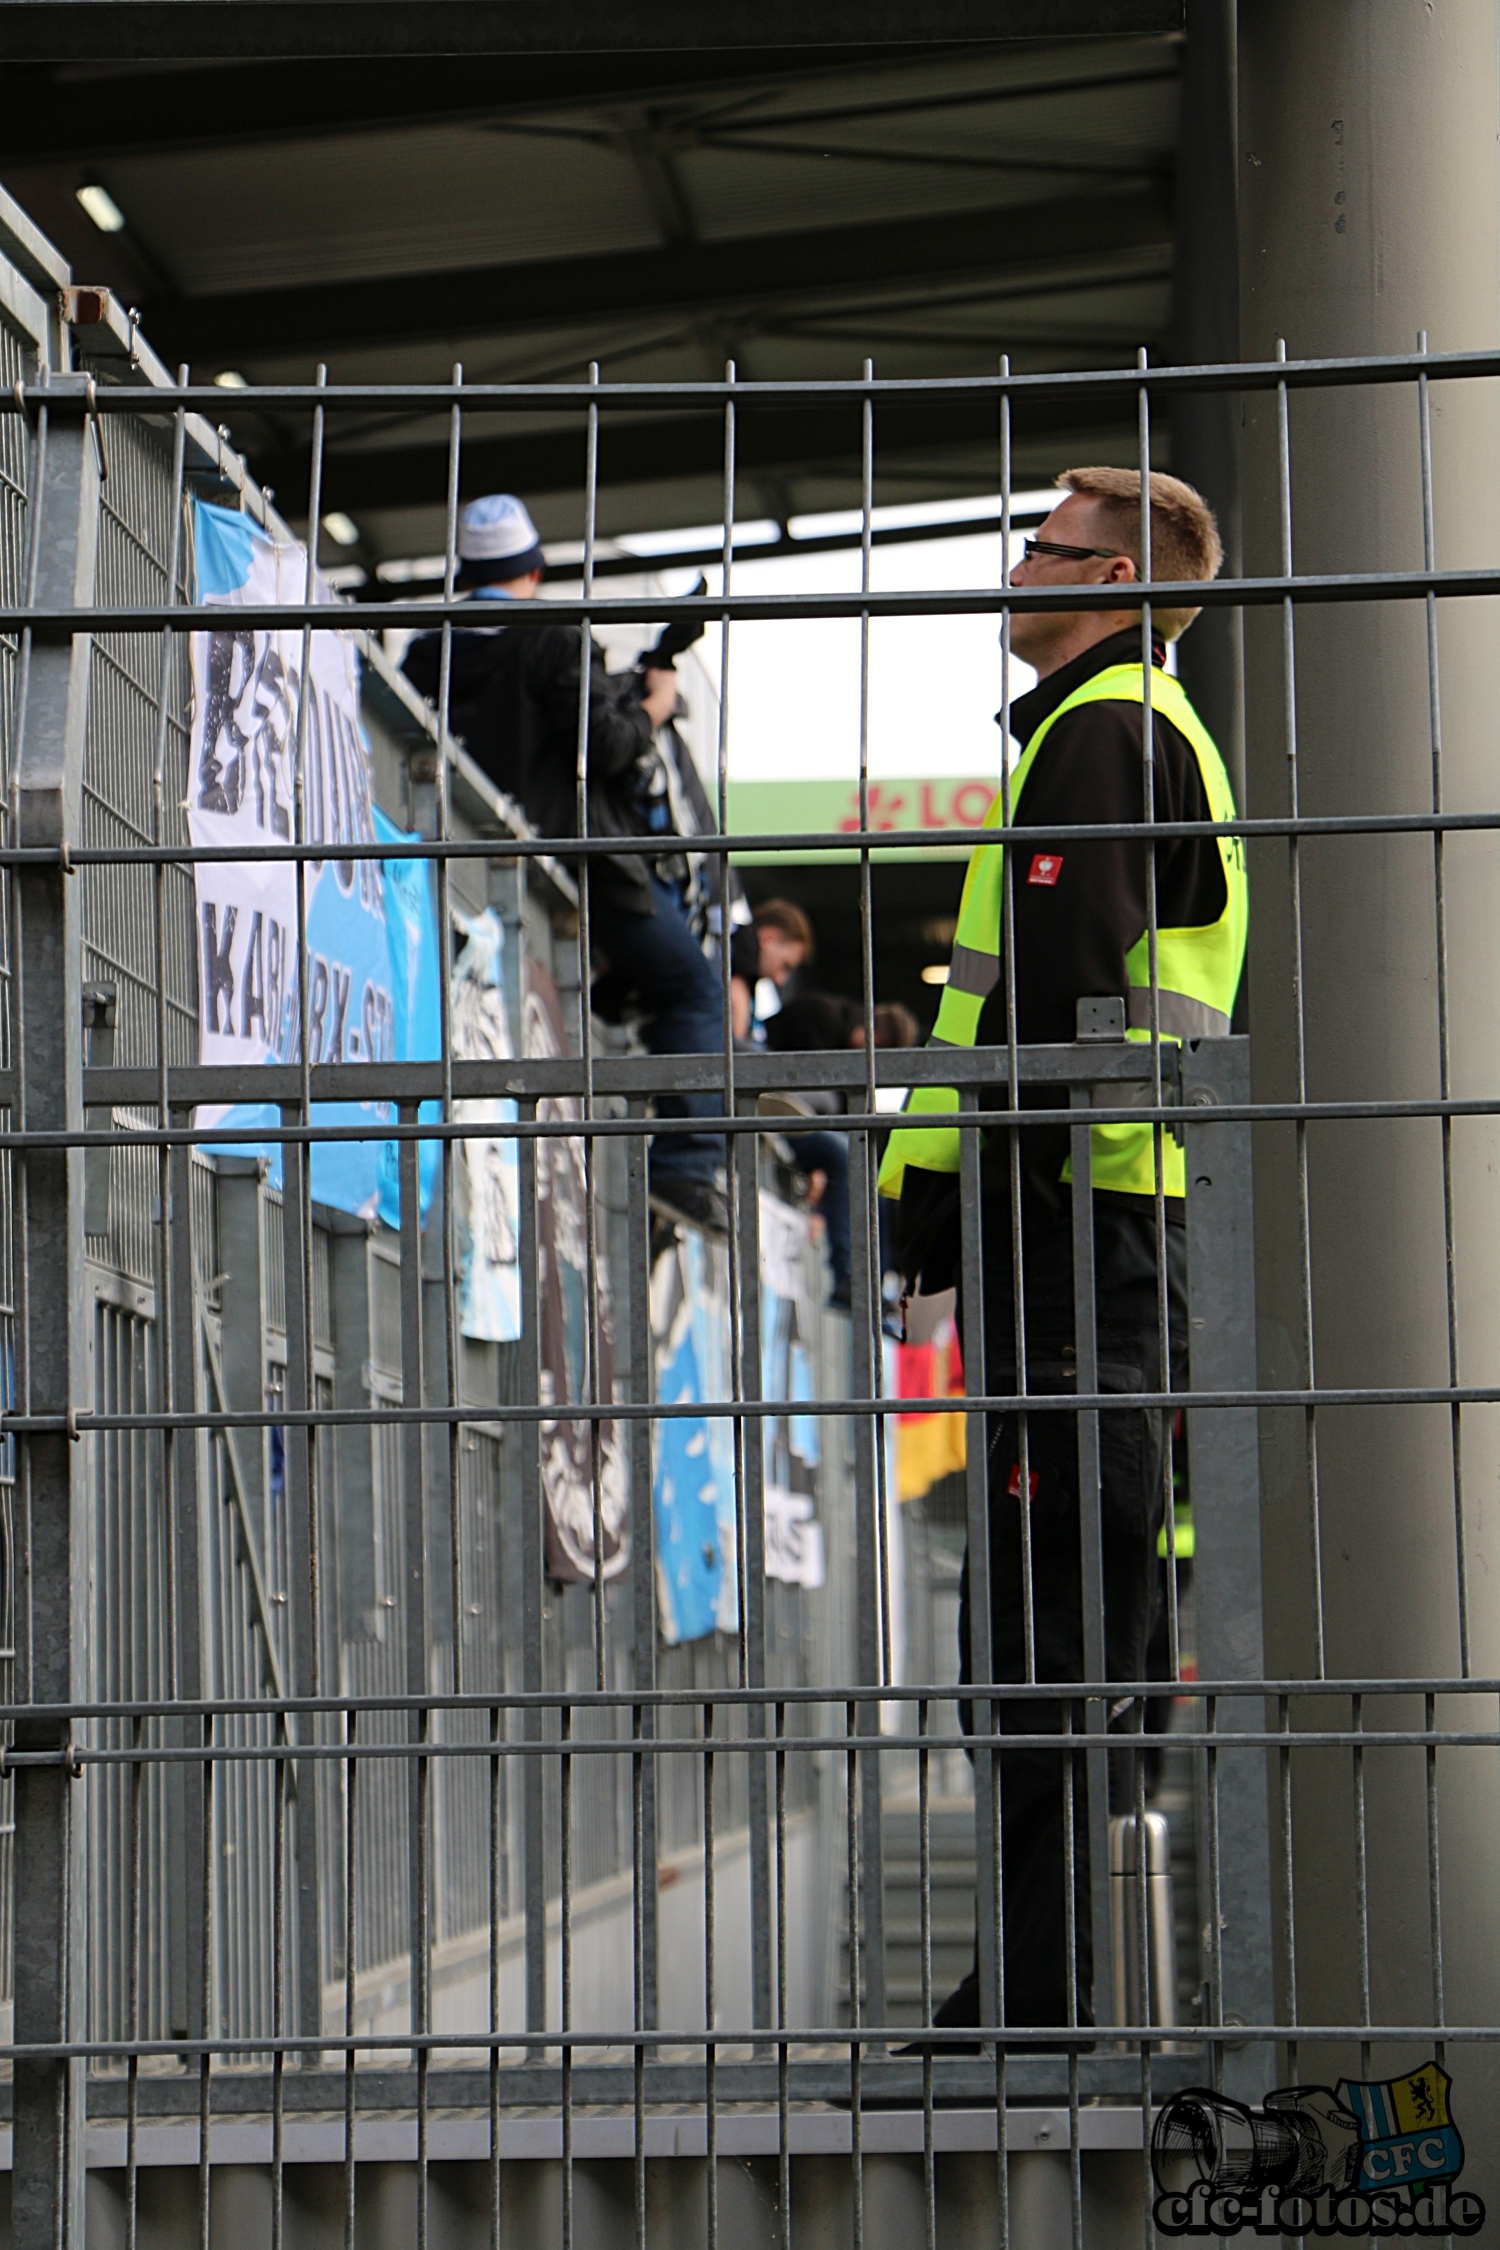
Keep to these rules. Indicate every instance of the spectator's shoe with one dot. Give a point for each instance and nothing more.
(692, 1203)
(841, 1296)
(959, 2009)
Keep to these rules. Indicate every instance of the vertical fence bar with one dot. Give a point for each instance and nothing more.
(744, 1158)
(1445, 1043)
(856, 1982)
(783, 2076)
(414, 1515)
(643, 1537)
(186, 1784)
(302, 1673)
(1294, 881)
(977, 1500)
(299, 1441)
(742, 1171)
(987, 1839)
(133, 1999)
(452, 1346)
(864, 1323)
(1091, 1552)
(643, 1611)
(871, 1561)
(710, 1984)
(50, 1936)
(351, 1967)
(586, 1049)
(533, 1791)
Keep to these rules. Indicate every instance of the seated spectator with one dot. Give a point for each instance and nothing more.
(777, 940)
(514, 699)
(819, 1022)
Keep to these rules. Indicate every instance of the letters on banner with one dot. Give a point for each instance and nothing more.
(372, 976)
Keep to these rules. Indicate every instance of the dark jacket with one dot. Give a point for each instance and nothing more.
(513, 702)
(1072, 934)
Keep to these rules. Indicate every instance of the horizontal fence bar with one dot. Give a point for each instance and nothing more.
(80, 1424)
(627, 1699)
(713, 844)
(52, 626)
(1044, 2037)
(1074, 1747)
(1227, 375)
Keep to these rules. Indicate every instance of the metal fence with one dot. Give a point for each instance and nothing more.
(342, 1831)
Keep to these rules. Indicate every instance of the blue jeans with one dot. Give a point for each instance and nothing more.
(657, 958)
(829, 1153)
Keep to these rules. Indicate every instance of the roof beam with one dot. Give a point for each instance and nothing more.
(45, 119)
(655, 449)
(120, 30)
(705, 278)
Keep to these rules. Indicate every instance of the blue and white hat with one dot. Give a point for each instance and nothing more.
(494, 531)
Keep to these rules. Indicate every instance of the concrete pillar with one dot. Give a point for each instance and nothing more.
(1368, 202)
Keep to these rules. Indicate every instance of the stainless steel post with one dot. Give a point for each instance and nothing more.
(52, 1350)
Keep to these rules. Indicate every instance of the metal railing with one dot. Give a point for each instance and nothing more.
(333, 1809)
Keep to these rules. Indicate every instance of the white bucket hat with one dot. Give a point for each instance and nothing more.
(496, 530)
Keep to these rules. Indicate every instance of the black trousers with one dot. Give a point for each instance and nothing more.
(1034, 1783)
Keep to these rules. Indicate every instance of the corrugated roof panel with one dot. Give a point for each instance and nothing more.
(738, 193)
(367, 204)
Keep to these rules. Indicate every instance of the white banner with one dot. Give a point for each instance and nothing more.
(241, 793)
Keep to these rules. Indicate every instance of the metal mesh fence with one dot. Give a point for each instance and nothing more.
(357, 1790)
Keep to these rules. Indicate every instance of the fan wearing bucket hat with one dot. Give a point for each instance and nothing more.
(514, 690)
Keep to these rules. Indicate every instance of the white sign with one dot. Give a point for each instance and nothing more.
(794, 1538)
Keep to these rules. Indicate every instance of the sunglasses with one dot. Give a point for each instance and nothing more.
(1035, 547)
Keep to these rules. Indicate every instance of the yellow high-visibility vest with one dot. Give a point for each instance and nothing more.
(1198, 970)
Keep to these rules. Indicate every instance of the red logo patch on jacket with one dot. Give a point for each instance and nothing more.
(1045, 869)
(1014, 1487)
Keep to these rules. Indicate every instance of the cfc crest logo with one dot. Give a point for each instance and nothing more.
(1360, 2161)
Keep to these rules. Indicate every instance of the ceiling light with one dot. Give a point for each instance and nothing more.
(230, 379)
(341, 529)
(936, 972)
(102, 209)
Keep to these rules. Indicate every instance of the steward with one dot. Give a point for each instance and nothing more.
(1081, 918)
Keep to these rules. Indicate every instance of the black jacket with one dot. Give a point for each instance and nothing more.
(513, 701)
(1073, 933)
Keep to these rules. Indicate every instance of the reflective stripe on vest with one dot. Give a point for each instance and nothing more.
(1198, 970)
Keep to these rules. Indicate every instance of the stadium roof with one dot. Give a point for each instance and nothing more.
(391, 187)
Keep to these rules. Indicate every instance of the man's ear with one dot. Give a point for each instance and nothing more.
(1121, 572)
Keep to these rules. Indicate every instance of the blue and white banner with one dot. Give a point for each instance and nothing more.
(372, 952)
(489, 1184)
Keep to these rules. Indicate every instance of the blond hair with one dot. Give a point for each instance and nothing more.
(1185, 540)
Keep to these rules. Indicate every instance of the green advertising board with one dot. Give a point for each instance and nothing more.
(911, 805)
